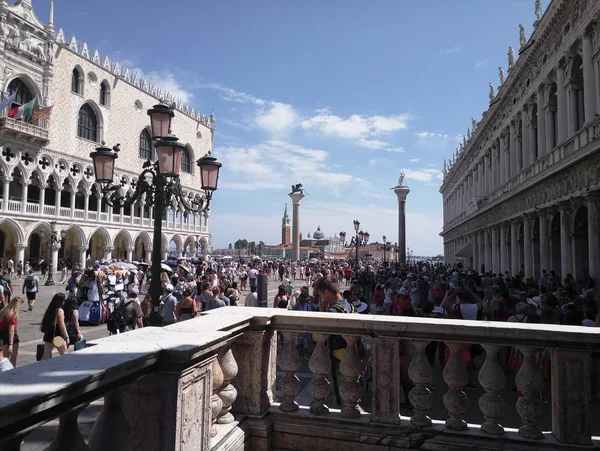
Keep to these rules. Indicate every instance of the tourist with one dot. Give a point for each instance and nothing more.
(7, 284)
(281, 299)
(146, 307)
(54, 328)
(31, 286)
(19, 269)
(8, 329)
(186, 308)
(168, 303)
(251, 299)
(215, 301)
(72, 321)
(5, 364)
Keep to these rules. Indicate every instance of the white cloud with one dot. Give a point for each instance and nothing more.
(373, 144)
(425, 135)
(414, 160)
(355, 126)
(423, 175)
(277, 118)
(268, 166)
(452, 50)
(168, 82)
(395, 149)
(480, 64)
(378, 161)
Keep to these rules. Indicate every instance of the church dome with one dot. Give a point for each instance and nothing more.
(318, 235)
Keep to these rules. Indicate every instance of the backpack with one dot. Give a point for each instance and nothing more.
(456, 312)
(30, 283)
(337, 342)
(116, 322)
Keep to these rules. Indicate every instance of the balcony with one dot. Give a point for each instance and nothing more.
(210, 383)
(38, 135)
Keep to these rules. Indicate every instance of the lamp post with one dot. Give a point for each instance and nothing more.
(160, 182)
(396, 246)
(384, 246)
(198, 245)
(53, 240)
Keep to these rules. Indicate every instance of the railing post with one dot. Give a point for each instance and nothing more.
(320, 365)
(571, 397)
(215, 401)
(228, 393)
(289, 361)
(14, 444)
(351, 368)
(492, 379)
(68, 436)
(531, 383)
(420, 397)
(386, 380)
(456, 376)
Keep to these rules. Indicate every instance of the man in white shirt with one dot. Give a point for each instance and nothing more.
(11, 266)
(251, 299)
(253, 275)
(5, 364)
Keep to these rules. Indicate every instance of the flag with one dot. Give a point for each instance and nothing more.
(23, 110)
(41, 112)
(8, 101)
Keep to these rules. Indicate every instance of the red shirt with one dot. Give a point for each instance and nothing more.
(6, 323)
(378, 298)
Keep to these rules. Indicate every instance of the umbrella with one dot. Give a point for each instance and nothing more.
(166, 268)
(183, 268)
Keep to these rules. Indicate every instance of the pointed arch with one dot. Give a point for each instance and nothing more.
(37, 226)
(127, 236)
(144, 237)
(103, 233)
(90, 122)
(27, 80)
(14, 228)
(78, 232)
(177, 240)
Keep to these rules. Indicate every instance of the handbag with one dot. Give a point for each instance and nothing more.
(39, 352)
(81, 344)
(57, 341)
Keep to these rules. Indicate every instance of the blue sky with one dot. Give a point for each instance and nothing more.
(338, 95)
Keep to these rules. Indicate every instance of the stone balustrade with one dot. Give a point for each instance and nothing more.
(210, 383)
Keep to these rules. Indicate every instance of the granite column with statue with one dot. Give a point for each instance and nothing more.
(296, 196)
(401, 191)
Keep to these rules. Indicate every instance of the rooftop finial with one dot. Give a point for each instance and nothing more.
(51, 15)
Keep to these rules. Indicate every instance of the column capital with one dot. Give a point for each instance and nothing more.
(81, 248)
(19, 246)
(6, 179)
(129, 249)
(56, 246)
(108, 248)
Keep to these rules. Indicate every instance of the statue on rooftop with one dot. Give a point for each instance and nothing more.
(511, 58)
(501, 75)
(492, 93)
(538, 9)
(522, 37)
(473, 124)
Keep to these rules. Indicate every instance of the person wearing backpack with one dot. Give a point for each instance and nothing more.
(31, 286)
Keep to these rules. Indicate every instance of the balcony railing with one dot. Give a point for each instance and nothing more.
(21, 129)
(209, 383)
(49, 211)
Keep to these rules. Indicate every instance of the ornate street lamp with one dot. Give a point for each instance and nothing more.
(343, 237)
(54, 242)
(159, 181)
(366, 237)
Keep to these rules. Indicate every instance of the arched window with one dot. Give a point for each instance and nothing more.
(87, 124)
(23, 93)
(76, 82)
(146, 150)
(104, 94)
(186, 165)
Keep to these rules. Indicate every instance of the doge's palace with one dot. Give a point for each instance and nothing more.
(521, 193)
(45, 169)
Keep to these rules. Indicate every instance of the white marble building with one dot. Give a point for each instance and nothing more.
(45, 168)
(521, 194)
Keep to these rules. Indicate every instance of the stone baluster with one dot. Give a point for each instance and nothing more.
(68, 435)
(320, 365)
(289, 361)
(421, 374)
(351, 368)
(228, 393)
(531, 383)
(492, 379)
(216, 405)
(456, 377)
(111, 430)
(15, 443)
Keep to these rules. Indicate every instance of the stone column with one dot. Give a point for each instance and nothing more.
(5, 192)
(486, 251)
(514, 241)
(550, 127)
(129, 253)
(402, 192)
(20, 248)
(588, 77)
(494, 250)
(492, 166)
(512, 144)
(525, 130)
(55, 248)
(57, 201)
(43, 187)
(503, 250)
(481, 239)
(541, 121)
(566, 265)
(573, 108)
(86, 204)
(98, 206)
(72, 204)
(24, 195)
(527, 246)
(82, 250)
(544, 244)
(593, 241)
(296, 198)
(107, 252)
(561, 94)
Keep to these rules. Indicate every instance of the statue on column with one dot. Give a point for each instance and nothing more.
(401, 179)
(511, 58)
(492, 92)
(501, 75)
(522, 37)
(538, 9)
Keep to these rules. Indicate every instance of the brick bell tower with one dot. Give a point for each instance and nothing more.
(286, 231)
